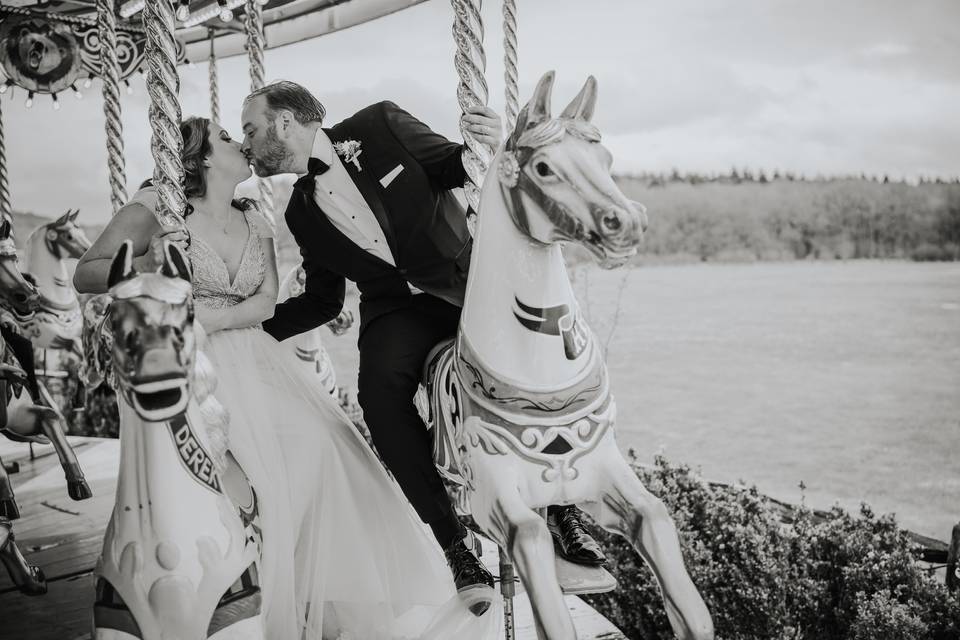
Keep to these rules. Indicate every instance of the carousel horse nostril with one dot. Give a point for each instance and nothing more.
(612, 222)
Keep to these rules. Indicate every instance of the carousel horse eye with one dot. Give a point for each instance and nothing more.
(543, 169)
(132, 340)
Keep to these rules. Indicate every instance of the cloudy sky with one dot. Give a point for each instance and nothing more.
(813, 86)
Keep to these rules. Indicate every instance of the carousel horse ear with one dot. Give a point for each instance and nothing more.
(175, 263)
(5, 229)
(62, 219)
(122, 266)
(535, 111)
(538, 109)
(74, 214)
(583, 105)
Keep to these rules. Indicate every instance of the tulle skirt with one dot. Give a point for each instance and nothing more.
(344, 555)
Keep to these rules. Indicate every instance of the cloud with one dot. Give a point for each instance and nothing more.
(812, 85)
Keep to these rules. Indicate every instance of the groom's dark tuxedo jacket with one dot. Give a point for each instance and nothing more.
(424, 224)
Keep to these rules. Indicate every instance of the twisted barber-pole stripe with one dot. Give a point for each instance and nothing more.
(471, 63)
(510, 76)
(214, 82)
(253, 24)
(110, 74)
(163, 85)
(5, 209)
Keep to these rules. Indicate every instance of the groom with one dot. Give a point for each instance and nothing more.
(373, 204)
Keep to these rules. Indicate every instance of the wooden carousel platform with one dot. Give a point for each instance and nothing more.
(64, 537)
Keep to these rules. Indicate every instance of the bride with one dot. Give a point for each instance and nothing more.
(344, 555)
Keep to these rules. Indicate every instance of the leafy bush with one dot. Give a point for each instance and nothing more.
(844, 577)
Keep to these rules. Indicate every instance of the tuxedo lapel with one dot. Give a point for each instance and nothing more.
(365, 184)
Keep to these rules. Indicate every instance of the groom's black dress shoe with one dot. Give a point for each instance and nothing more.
(468, 572)
(571, 539)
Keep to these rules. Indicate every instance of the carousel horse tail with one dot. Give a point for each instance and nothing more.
(29, 579)
(8, 502)
(51, 421)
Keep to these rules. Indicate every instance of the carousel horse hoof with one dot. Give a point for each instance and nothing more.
(9, 509)
(35, 583)
(79, 489)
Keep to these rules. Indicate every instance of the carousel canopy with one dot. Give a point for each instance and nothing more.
(47, 45)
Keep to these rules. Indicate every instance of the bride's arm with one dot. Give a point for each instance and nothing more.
(133, 222)
(254, 309)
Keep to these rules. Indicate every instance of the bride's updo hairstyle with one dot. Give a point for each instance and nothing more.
(196, 148)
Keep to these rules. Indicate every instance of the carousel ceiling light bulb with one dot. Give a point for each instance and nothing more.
(88, 82)
(29, 101)
(129, 87)
(76, 92)
(5, 86)
(56, 103)
(183, 11)
(226, 15)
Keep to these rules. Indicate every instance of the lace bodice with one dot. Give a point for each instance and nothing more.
(211, 281)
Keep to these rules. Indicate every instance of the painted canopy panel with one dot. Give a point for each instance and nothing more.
(286, 22)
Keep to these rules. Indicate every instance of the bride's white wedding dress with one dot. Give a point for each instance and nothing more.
(344, 555)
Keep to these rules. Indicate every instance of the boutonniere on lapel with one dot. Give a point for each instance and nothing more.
(349, 151)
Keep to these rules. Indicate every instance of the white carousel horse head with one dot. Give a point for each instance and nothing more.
(152, 324)
(557, 177)
(521, 405)
(19, 295)
(58, 321)
(181, 552)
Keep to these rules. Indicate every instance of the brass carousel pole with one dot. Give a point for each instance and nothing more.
(110, 74)
(508, 576)
(6, 213)
(253, 25)
(163, 85)
(510, 76)
(214, 81)
(471, 63)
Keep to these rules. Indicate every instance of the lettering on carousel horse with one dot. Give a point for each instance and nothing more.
(556, 321)
(192, 454)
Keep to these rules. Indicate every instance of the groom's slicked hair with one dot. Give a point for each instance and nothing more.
(284, 94)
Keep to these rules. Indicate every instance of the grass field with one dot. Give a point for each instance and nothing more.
(842, 375)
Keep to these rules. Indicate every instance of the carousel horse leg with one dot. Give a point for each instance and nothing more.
(28, 578)
(51, 421)
(8, 503)
(629, 509)
(524, 534)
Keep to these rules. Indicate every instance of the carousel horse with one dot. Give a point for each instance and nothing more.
(57, 322)
(521, 406)
(28, 579)
(31, 414)
(181, 551)
(18, 296)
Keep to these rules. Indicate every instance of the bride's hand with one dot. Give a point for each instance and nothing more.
(153, 259)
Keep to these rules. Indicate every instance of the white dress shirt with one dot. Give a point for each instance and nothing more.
(338, 197)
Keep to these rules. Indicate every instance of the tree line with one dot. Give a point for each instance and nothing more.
(749, 216)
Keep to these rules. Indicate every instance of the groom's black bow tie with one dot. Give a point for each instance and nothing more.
(315, 167)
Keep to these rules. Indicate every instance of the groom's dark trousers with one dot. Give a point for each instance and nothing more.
(405, 175)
